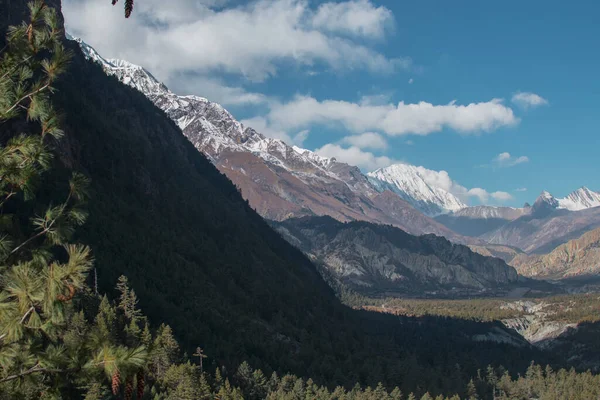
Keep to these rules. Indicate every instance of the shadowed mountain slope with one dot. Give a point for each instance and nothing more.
(376, 258)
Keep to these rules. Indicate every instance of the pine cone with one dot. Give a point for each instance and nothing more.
(128, 8)
(116, 382)
(129, 388)
(63, 298)
(141, 382)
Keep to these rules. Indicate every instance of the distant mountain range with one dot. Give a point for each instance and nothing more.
(548, 224)
(281, 181)
(478, 220)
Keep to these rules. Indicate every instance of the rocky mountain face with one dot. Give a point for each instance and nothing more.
(477, 220)
(577, 257)
(278, 180)
(376, 258)
(410, 183)
(546, 227)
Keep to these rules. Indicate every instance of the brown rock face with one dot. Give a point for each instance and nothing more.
(278, 194)
(577, 257)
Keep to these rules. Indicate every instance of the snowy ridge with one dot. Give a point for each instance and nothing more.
(213, 130)
(580, 199)
(408, 182)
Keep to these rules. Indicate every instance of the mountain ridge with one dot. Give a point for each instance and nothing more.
(278, 180)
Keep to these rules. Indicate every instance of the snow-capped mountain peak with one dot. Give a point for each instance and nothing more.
(410, 183)
(580, 199)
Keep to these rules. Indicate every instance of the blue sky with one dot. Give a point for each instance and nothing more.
(322, 74)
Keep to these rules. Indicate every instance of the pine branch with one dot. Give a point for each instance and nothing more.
(31, 309)
(36, 368)
(47, 228)
(10, 71)
(47, 85)
(37, 235)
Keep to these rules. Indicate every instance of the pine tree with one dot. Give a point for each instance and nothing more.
(472, 390)
(41, 271)
(396, 394)
(205, 392)
(46, 344)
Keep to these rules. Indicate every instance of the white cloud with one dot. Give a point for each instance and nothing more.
(528, 100)
(355, 18)
(442, 180)
(367, 140)
(507, 160)
(501, 196)
(300, 137)
(419, 118)
(355, 156)
(409, 142)
(259, 124)
(214, 90)
(521, 190)
(410, 81)
(480, 193)
(252, 39)
(484, 196)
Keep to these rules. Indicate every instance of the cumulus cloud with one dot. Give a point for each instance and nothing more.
(215, 90)
(367, 140)
(252, 39)
(484, 196)
(355, 18)
(507, 160)
(528, 100)
(501, 196)
(418, 118)
(355, 156)
(442, 180)
(259, 124)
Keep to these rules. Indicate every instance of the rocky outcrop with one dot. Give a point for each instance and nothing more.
(575, 258)
(378, 258)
